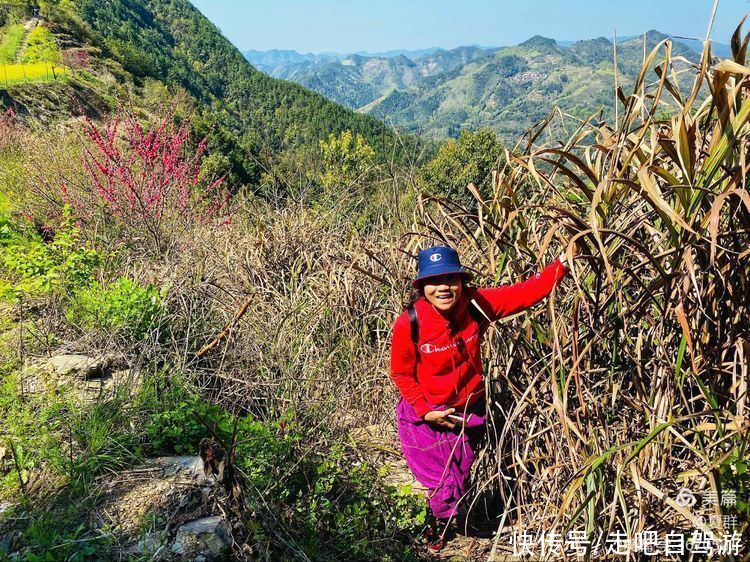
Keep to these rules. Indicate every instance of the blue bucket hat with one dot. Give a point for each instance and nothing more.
(439, 260)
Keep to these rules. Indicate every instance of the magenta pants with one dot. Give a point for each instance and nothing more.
(440, 458)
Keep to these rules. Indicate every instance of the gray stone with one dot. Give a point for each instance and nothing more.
(81, 366)
(186, 466)
(90, 378)
(206, 538)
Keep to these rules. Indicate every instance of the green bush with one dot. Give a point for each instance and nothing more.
(36, 267)
(470, 158)
(347, 160)
(336, 506)
(346, 511)
(175, 416)
(124, 308)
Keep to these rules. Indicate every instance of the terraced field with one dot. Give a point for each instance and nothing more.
(12, 74)
(29, 54)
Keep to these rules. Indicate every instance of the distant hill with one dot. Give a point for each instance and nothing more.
(408, 53)
(505, 88)
(718, 49)
(518, 86)
(272, 60)
(357, 80)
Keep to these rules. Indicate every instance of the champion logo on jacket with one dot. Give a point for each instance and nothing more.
(432, 348)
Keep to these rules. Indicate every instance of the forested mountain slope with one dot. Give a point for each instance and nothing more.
(134, 48)
(356, 80)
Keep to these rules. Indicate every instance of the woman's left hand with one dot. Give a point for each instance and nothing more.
(439, 418)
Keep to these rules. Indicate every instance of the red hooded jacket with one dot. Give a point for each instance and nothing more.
(448, 369)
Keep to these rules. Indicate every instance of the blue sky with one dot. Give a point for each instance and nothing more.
(380, 25)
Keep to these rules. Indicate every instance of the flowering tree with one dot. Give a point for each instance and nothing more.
(151, 182)
(77, 58)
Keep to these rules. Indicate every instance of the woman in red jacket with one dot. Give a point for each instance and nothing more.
(437, 367)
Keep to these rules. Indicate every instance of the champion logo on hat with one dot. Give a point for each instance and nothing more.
(439, 260)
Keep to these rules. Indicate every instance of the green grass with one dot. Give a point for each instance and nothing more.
(39, 60)
(5, 205)
(10, 42)
(11, 74)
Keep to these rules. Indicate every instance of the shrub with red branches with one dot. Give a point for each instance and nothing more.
(151, 181)
(77, 58)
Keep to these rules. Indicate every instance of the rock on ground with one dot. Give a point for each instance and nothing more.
(165, 508)
(204, 538)
(81, 366)
(89, 377)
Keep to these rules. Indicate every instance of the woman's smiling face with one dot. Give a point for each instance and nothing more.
(443, 291)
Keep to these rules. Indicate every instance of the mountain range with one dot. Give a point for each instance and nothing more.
(507, 89)
(272, 59)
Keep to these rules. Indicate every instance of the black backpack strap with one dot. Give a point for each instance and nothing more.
(414, 322)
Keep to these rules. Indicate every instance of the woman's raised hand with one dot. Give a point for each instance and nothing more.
(440, 418)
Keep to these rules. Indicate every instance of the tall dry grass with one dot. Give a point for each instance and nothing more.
(632, 383)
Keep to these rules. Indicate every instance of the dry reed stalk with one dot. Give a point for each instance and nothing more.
(635, 378)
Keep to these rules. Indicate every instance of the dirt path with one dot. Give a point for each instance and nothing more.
(380, 442)
(29, 26)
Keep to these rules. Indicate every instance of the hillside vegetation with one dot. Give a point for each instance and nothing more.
(355, 80)
(29, 54)
(12, 37)
(143, 52)
(519, 86)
